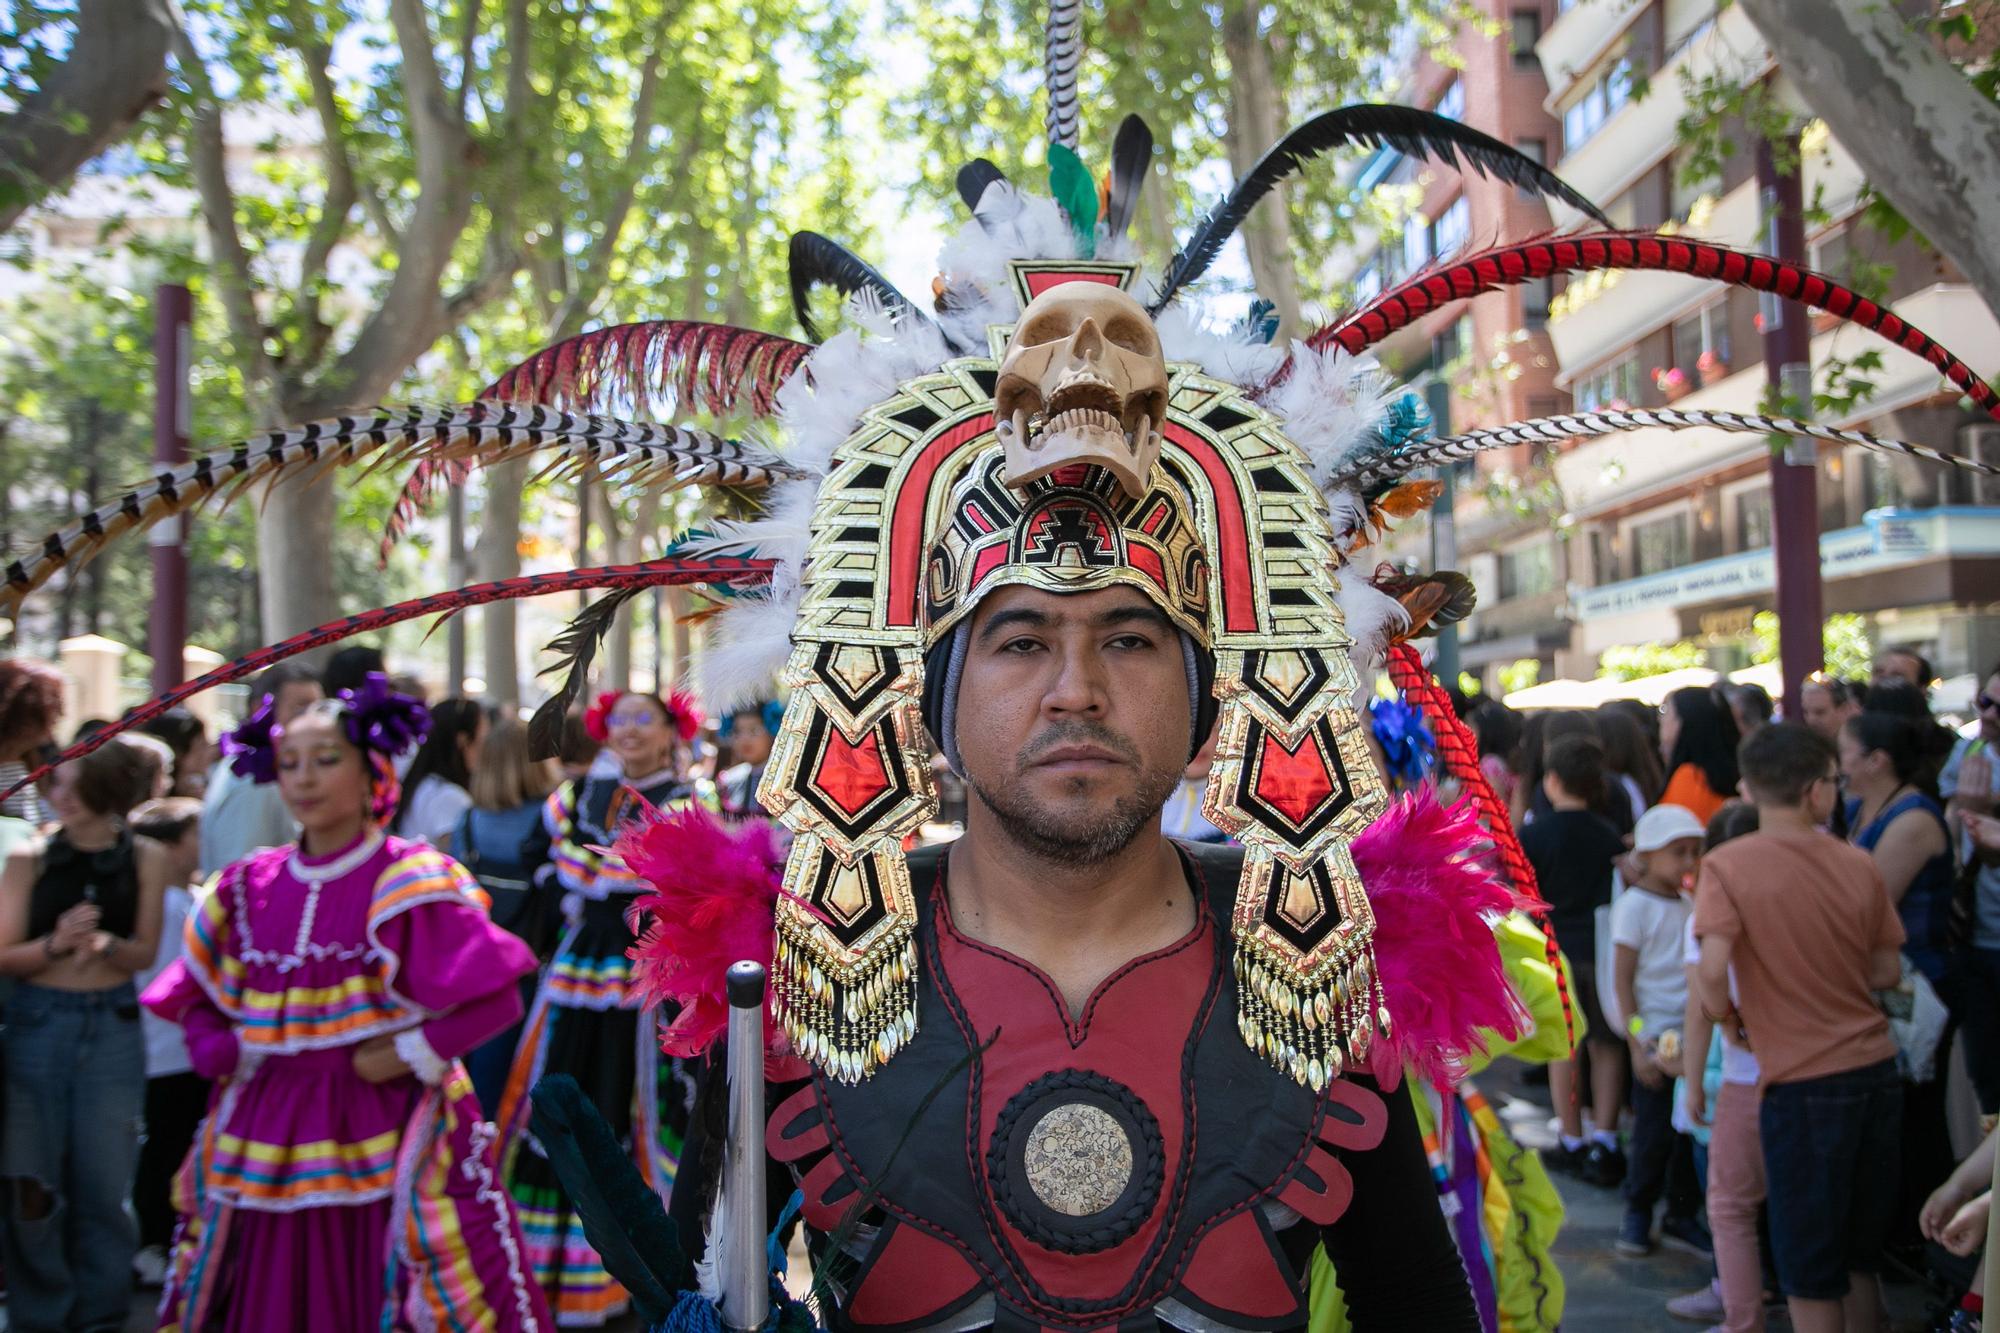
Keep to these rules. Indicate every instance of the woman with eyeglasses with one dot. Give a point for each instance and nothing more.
(585, 1020)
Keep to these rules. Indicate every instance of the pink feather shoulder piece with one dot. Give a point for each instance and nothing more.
(714, 902)
(1430, 877)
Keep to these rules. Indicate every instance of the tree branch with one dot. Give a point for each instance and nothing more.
(341, 193)
(437, 137)
(576, 306)
(468, 33)
(115, 69)
(235, 279)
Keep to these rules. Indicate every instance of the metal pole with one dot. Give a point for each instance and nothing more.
(457, 576)
(1794, 466)
(746, 1275)
(1444, 527)
(173, 350)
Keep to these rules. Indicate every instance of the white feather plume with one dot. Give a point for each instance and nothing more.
(1223, 354)
(1372, 616)
(1330, 404)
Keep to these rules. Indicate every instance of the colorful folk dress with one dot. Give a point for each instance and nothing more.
(586, 1022)
(315, 1200)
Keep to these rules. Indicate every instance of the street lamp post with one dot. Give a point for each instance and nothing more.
(1794, 466)
(173, 333)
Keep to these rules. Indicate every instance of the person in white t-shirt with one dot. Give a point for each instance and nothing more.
(176, 1096)
(1648, 922)
(436, 790)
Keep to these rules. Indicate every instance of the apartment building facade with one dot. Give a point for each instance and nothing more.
(1668, 534)
(1494, 349)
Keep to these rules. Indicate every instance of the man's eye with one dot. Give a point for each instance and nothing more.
(1135, 642)
(1020, 646)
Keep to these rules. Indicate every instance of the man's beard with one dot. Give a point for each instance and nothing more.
(1085, 839)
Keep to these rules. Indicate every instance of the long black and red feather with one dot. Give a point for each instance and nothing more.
(730, 569)
(1512, 265)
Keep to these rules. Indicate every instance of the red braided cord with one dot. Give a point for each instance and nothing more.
(1459, 750)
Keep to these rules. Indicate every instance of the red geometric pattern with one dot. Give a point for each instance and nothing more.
(851, 775)
(1295, 783)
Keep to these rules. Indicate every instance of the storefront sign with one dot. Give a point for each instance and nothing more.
(1888, 539)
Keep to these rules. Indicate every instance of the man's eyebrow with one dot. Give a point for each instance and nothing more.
(1021, 616)
(1146, 614)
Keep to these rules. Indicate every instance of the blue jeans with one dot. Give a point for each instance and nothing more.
(1831, 1161)
(76, 1088)
(1976, 1003)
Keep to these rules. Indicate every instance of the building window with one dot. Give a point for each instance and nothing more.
(1453, 343)
(1368, 282)
(1528, 571)
(1753, 519)
(1416, 242)
(1527, 33)
(1602, 100)
(1701, 342)
(1614, 387)
(1452, 228)
(1536, 293)
(1451, 102)
(1660, 544)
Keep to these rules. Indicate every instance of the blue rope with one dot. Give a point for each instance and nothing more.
(694, 1313)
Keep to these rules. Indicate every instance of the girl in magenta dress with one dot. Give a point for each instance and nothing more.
(344, 1179)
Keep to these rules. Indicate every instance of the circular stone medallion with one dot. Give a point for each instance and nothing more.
(1076, 1161)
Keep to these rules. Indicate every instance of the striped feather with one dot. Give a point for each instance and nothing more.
(734, 570)
(1380, 469)
(656, 367)
(641, 454)
(1062, 54)
(1512, 265)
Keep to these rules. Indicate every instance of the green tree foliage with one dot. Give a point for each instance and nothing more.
(1844, 642)
(1168, 60)
(1639, 660)
(397, 200)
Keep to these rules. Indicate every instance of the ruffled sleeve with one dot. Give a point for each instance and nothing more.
(202, 989)
(442, 955)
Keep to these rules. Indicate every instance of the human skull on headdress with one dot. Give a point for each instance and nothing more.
(1083, 381)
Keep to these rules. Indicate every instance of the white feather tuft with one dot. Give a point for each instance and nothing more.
(1371, 616)
(1330, 404)
(1222, 354)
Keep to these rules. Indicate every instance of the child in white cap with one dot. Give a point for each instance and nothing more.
(1647, 925)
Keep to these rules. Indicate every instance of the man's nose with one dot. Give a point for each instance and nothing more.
(1079, 686)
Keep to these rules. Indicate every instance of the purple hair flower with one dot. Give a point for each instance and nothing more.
(379, 719)
(251, 748)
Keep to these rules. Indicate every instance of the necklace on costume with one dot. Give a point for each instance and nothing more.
(316, 876)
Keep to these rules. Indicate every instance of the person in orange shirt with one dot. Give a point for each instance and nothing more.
(1698, 740)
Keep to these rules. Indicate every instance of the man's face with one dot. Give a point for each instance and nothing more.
(294, 697)
(1818, 710)
(1072, 718)
(1896, 666)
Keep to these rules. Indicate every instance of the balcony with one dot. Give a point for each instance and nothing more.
(1641, 133)
(1579, 36)
(1615, 470)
